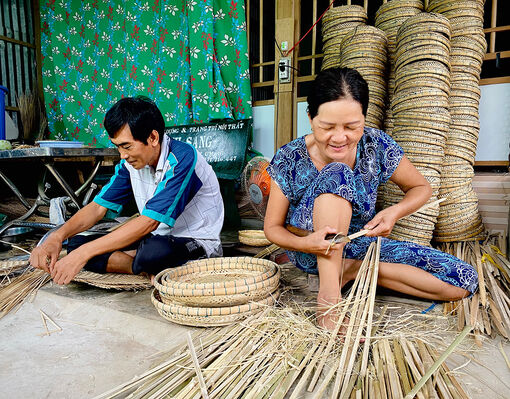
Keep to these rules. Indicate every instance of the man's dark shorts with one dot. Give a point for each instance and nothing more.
(153, 253)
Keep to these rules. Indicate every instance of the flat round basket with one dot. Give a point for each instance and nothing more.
(254, 238)
(218, 281)
(209, 317)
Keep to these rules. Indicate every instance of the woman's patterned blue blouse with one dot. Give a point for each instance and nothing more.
(378, 155)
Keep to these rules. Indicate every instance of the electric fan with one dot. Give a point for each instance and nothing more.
(255, 184)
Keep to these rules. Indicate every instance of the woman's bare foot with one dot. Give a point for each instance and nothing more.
(327, 311)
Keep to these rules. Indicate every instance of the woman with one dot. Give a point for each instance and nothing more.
(327, 182)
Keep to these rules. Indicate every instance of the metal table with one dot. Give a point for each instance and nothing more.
(49, 157)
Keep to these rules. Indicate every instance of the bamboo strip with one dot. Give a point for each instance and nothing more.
(200, 377)
(373, 290)
(346, 303)
(438, 362)
(481, 279)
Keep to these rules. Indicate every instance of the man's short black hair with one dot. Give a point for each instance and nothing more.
(140, 113)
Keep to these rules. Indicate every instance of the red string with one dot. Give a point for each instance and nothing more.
(306, 34)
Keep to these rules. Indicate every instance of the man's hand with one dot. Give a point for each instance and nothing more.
(68, 267)
(45, 255)
(382, 223)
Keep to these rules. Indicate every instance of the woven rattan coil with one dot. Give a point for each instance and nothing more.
(348, 11)
(397, 5)
(254, 238)
(429, 53)
(229, 283)
(409, 30)
(425, 68)
(114, 281)
(207, 321)
(203, 275)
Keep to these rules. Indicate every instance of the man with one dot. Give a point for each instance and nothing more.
(176, 192)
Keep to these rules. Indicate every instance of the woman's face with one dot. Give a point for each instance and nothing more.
(337, 129)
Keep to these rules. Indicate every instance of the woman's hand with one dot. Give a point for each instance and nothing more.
(317, 244)
(382, 223)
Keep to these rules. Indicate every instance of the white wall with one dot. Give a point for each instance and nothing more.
(263, 130)
(494, 138)
(493, 143)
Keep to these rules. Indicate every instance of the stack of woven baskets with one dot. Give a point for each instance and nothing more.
(336, 23)
(389, 17)
(459, 218)
(253, 238)
(420, 112)
(364, 49)
(216, 291)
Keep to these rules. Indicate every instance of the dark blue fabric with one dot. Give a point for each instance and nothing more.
(153, 253)
(378, 156)
(159, 252)
(98, 263)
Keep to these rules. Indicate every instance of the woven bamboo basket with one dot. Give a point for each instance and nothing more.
(254, 238)
(411, 27)
(396, 7)
(209, 317)
(218, 281)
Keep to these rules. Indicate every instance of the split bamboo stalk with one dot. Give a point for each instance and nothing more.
(203, 388)
(438, 362)
(370, 283)
(373, 290)
(345, 304)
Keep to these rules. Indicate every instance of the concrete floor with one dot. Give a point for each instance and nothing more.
(108, 337)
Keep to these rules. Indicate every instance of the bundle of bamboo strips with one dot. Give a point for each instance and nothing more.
(20, 289)
(280, 352)
(488, 311)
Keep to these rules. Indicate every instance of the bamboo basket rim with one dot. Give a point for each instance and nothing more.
(202, 321)
(217, 294)
(443, 86)
(399, 4)
(424, 38)
(410, 57)
(178, 308)
(263, 268)
(394, 18)
(436, 27)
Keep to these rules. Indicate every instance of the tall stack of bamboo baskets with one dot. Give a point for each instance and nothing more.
(389, 17)
(336, 23)
(420, 112)
(364, 49)
(459, 219)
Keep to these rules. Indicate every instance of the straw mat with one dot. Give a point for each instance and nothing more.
(114, 281)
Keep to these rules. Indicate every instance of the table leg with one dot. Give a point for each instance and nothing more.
(15, 190)
(69, 191)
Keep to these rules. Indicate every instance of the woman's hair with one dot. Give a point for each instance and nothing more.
(337, 83)
(140, 113)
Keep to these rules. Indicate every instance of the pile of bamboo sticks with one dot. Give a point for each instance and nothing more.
(488, 311)
(280, 352)
(20, 289)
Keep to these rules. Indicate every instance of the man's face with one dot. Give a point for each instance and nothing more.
(136, 153)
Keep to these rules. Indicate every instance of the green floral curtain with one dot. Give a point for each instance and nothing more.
(189, 56)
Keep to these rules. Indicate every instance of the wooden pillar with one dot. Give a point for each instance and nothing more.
(285, 23)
